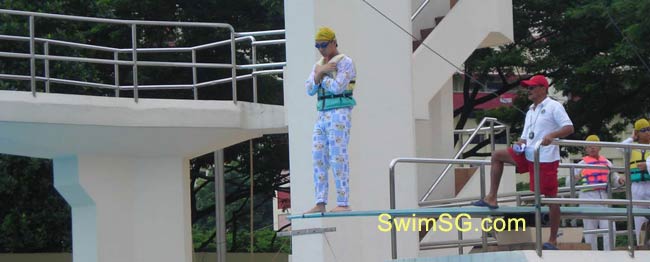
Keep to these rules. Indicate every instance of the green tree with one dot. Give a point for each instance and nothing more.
(576, 43)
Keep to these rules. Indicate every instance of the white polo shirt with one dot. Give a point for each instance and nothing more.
(547, 117)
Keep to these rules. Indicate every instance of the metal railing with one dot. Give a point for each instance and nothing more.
(528, 195)
(627, 148)
(134, 50)
(474, 132)
(420, 8)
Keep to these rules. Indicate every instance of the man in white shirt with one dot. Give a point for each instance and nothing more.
(545, 121)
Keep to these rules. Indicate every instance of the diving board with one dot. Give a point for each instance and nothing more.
(475, 211)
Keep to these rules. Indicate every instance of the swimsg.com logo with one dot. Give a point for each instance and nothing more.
(447, 223)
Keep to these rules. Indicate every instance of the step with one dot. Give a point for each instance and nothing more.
(425, 32)
(439, 19)
(416, 44)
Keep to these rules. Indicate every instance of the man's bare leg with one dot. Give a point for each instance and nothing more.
(498, 159)
(554, 216)
(318, 208)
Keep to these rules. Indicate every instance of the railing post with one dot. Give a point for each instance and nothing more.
(254, 54)
(492, 139)
(393, 232)
(572, 182)
(628, 194)
(460, 237)
(46, 52)
(116, 69)
(482, 181)
(32, 57)
(234, 65)
(134, 52)
(195, 91)
(610, 223)
(538, 204)
(460, 143)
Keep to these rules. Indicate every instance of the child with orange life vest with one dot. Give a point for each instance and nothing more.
(596, 176)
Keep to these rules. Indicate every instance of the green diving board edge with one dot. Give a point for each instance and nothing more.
(475, 212)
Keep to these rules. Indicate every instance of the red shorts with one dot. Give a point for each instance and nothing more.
(548, 178)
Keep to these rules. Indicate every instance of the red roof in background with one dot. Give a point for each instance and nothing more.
(503, 100)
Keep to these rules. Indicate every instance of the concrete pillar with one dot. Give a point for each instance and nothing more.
(127, 208)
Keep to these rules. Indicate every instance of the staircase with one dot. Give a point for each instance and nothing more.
(424, 33)
(454, 44)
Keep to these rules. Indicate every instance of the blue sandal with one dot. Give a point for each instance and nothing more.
(482, 203)
(549, 246)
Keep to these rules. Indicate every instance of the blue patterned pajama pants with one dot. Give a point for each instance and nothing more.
(330, 150)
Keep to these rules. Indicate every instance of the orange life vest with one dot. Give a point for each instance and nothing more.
(595, 176)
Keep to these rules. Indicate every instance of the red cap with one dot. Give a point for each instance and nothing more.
(537, 80)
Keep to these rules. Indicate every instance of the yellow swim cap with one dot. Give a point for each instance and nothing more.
(593, 138)
(641, 123)
(325, 34)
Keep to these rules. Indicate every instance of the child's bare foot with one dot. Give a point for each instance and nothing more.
(318, 208)
(341, 209)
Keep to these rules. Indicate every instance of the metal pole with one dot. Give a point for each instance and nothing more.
(234, 66)
(252, 191)
(628, 194)
(610, 223)
(393, 232)
(460, 143)
(417, 12)
(194, 79)
(492, 139)
(220, 205)
(116, 69)
(134, 45)
(538, 204)
(507, 135)
(482, 181)
(572, 182)
(46, 51)
(32, 58)
(460, 237)
(254, 47)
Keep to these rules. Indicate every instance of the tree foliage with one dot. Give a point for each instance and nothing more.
(576, 43)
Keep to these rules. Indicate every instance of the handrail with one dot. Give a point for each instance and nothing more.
(134, 50)
(627, 147)
(527, 194)
(460, 152)
(482, 129)
(417, 12)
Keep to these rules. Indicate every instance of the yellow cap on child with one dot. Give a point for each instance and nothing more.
(325, 34)
(593, 138)
(640, 124)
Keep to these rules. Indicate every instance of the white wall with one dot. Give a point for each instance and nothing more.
(435, 139)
